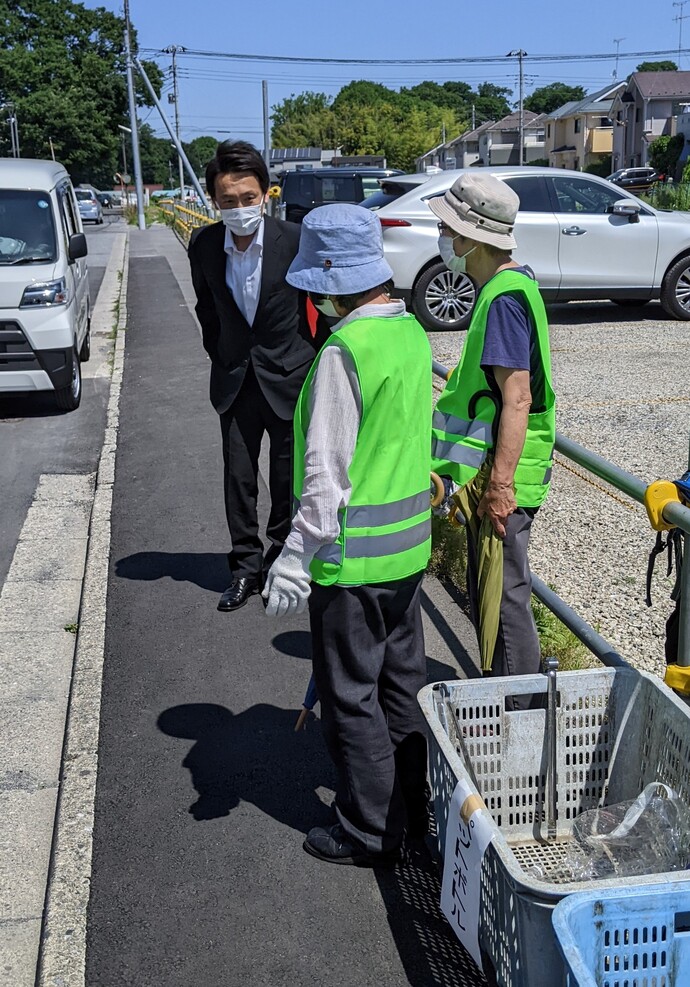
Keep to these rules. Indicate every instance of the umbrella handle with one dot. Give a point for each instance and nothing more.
(437, 482)
(302, 718)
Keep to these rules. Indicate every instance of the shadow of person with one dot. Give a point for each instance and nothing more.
(297, 644)
(208, 570)
(254, 756)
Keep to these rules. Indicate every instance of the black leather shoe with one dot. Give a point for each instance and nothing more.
(237, 594)
(334, 846)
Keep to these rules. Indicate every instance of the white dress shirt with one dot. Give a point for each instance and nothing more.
(335, 412)
(243, 272)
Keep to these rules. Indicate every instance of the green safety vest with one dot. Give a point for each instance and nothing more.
(385, 530)
(465, 417)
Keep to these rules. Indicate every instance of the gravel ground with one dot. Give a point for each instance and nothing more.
(621, 379)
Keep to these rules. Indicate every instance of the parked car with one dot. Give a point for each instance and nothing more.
(584, 237)
(302, 191)
(640, 179)
(44, 290)
(109, 199)
(391, 189)
(90, 208)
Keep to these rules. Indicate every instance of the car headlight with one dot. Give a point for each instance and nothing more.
(45, 293)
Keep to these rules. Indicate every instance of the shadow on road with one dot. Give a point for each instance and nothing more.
(208, 570)
(296, 644)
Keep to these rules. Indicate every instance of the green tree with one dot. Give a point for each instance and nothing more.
(491, 102)
(62, 66)
(667, 66)
(200, 151)
(664, 153)
(546, 99)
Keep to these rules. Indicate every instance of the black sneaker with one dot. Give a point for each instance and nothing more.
(334, 846)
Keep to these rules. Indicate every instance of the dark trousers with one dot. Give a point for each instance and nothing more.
(242, 428)
(517, 649)
(369, 665)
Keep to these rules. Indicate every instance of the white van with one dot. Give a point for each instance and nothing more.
(44, 287)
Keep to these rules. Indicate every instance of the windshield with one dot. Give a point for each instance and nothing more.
(27, 228)
(83, 195)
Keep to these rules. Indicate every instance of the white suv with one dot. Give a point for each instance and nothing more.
(583, 237)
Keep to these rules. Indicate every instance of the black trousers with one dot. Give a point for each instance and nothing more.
(369, 665)
(242, 428)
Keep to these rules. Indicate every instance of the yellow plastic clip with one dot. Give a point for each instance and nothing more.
(678, 677)
(656, 497)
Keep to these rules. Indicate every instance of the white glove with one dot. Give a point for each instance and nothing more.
(287, 586)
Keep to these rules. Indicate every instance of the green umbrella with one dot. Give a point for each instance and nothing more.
(488, 548)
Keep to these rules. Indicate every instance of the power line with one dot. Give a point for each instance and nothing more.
(465, 60)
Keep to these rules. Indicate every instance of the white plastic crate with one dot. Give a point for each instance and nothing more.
(617, 730)
(634, 937)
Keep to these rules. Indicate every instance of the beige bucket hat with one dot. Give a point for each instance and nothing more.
(481, 208)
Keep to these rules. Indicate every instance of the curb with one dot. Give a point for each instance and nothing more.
(62, 951)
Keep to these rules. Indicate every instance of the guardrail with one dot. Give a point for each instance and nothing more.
(672, 512)
(185, 217)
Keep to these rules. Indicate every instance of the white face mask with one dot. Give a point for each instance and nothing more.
(454, 263)
(326, 307)
(243, 221)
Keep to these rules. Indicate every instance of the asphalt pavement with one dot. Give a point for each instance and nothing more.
(204, 791)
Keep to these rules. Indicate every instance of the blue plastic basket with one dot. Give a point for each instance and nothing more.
(632, 937)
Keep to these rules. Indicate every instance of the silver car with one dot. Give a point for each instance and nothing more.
(90, 209)
(582, 236)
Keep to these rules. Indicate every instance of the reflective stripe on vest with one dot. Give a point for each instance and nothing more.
(372, 516)
(454, 452)
(376, 546)
(459, 426)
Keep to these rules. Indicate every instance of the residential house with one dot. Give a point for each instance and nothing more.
(491, 143)
(580, 133)
(646, 109)
(499, 143)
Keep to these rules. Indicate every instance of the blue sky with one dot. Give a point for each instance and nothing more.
(223, 98)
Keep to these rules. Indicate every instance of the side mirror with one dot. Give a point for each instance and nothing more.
(627, 207)
(77, 246)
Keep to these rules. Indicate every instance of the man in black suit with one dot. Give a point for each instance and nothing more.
(255, 330)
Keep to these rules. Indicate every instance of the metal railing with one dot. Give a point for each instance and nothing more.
(186, 217)
(673, 513)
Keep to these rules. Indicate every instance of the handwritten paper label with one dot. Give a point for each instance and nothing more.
(467, 836)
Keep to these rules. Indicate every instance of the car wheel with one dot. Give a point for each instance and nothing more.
(68, 398)
(675, 290)
(442, 300)
(630, 302)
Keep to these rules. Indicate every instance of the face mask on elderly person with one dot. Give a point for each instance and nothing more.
(325, 305)
(456, 264)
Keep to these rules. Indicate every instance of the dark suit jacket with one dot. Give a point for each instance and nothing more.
(278, 343)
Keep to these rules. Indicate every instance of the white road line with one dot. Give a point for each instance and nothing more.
(104, 315)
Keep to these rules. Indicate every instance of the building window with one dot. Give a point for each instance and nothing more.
(548, 129)
(577, 123)
(637, 114)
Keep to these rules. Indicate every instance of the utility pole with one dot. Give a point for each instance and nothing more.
(680, 18)
(474, 118)
(520, 54)
(52, 149)
(173, 50)
(12, 124)
(267, 136)
(138, 183)
(617, 43)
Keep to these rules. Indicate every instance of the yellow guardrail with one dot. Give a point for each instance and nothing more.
(185, 218)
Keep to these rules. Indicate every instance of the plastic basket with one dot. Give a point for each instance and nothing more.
(639, 937)
(617, 730)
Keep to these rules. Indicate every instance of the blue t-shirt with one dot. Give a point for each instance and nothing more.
(511, 341)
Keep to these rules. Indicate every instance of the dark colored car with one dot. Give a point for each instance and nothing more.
(302, 191)
(634, 178)
(106, 199)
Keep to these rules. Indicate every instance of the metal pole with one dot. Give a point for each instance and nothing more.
(180, 150)
(52, 149)
(173, 50)
(617, 43)
(521, 53)
(10, 124)
(15, 124)
(474, 117)
(138, 183)
(267, 137)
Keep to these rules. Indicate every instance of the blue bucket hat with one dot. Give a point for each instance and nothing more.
(340, 252)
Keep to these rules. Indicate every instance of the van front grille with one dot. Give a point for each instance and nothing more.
(15, 350)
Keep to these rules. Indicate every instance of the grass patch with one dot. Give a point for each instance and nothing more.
(558, 641)
(448, 552)
(71, 628)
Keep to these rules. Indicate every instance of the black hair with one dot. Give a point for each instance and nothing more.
(240, 157)
(351, 302)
